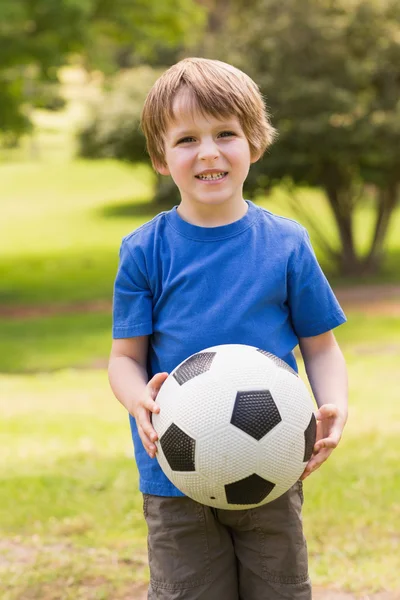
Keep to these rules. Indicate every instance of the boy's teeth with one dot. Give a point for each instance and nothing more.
(211, 176)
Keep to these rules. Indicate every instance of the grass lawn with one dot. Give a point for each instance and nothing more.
(70, 514)
(61, 228)
(62, 224)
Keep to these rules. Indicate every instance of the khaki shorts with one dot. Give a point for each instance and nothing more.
(202, 553)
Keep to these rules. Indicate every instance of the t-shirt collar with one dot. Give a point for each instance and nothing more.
(196, 232)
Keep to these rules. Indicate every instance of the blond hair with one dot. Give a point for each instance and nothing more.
(215, 88)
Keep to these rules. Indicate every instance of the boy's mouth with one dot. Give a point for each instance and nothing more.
(211, 176)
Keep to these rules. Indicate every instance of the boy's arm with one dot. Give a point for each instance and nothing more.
(128, 379)
(326, 371)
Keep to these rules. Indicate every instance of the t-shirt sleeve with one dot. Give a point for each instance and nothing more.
(313, 306)
(132, 302)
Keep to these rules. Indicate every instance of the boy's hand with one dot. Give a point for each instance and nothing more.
(330, 425)
(146, 406)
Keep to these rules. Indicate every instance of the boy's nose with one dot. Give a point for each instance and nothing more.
(208, 151)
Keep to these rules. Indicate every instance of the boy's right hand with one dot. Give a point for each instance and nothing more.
(145, 406)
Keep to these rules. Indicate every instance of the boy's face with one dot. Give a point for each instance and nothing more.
(208, 158)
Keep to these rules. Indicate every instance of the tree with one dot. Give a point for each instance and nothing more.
(114, 129)
(37, 36)
(330, 73)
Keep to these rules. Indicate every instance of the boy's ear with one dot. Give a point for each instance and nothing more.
(255, 157)
(162, 169)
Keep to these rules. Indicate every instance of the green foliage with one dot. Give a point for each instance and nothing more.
(38, 36)
(124, 33)
(114, 130)
(330, 73)
(12, 118)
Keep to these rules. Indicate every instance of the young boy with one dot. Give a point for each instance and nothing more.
(219, 270)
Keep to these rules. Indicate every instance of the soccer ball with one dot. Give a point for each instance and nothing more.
(236, 427)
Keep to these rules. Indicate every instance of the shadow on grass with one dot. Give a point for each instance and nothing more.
(46, 344)
(143, 209)
(58, 278)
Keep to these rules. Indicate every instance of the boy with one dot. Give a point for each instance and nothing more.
(219, 270)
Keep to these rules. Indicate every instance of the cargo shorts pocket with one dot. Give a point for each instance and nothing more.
(284, 557)
(177, 542)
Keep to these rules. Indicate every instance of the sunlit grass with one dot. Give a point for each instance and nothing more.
(60, 229)
(70, 514)
(62, 224)
(61, 208)
(69, 482)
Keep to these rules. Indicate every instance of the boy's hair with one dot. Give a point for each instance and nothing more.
(215, 88)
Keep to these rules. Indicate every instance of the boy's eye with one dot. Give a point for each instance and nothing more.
(190, 139)
(185, 140)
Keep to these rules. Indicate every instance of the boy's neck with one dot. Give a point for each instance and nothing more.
(212, 216)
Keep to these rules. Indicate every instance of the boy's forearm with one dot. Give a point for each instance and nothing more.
(128, 380)
(327, 373)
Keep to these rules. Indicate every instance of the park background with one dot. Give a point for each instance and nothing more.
(74, 179)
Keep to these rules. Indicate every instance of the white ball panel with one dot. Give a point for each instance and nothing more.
(220, 456)
(293, 399)
(243, 365)
(280, 455)
(200, 489)
(199, 407)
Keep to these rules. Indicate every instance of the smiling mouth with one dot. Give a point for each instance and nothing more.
(211, 176)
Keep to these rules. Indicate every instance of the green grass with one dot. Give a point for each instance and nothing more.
(69, 502)
(82, 340)
(62, 224)
(61, 228)
(55, 342)
(71, 525)
(70, 514)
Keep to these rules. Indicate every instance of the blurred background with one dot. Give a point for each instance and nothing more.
(75, 178)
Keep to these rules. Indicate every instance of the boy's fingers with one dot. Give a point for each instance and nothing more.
(327, 411)
(143, 420)
(156, 382)
(315, 463)
(330, 442)
(150, 448)
(150, 404)
(153, 387)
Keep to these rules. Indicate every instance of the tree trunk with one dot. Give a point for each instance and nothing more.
(342, 206)
(341, 202)
(386, 203)
(166, 194)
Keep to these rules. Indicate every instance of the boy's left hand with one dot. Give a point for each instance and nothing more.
(330, 425)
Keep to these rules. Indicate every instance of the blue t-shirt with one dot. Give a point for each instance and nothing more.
(255, 281)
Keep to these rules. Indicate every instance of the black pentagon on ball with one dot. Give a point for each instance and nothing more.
(250, 490)
(193, 366)
(278, 361)
(179, 449)
(309, 438)
(255, 413)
